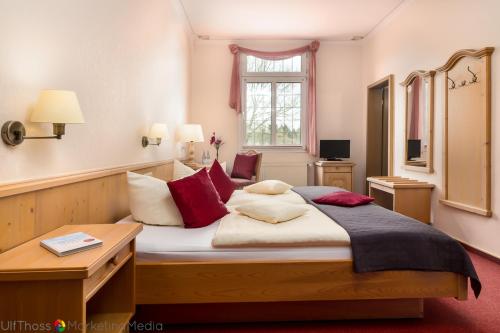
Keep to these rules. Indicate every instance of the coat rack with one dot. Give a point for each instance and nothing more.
(467, 131)
(464, 83)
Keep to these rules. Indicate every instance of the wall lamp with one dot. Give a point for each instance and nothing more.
(59, 107)
(156, 133)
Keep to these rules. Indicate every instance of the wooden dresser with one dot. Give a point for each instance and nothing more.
(335, 173)
(90, 291)
(403, 195)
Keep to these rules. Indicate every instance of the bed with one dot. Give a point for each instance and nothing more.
(181, 277)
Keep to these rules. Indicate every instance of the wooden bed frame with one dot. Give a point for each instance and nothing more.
(245, 288)
(218, 291)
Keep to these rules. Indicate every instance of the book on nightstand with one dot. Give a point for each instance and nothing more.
(71, 243)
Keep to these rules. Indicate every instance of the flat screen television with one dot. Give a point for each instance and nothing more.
(334, 150)
(414, 149)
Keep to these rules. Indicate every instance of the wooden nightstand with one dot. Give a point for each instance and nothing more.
(198, 166)
(335, 173)
(90, 291)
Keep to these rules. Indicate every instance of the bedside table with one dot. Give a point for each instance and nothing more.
(197, 166)
(335, 173)
(93, 290)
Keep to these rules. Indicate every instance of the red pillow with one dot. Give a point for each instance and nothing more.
(221, 181)
(345, 199)
(197, 200)
(244, 166)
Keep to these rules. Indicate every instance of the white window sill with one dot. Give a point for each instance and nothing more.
(277, 149)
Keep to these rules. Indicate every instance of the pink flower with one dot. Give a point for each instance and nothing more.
(216, 142)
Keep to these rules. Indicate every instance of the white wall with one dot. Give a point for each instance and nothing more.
(423, 34)
(128, 62)
(339, 107)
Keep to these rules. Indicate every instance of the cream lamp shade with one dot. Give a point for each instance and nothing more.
(57, 107)
(158, 130)
(190, 133)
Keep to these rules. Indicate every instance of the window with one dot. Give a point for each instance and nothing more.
(274, 99)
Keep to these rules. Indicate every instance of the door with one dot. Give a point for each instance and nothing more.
(379, 135)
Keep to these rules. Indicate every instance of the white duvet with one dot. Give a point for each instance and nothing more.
(311, 229)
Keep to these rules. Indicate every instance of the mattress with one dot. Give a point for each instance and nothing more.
(156, 243)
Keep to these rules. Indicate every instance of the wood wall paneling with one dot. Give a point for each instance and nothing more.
(30, 209)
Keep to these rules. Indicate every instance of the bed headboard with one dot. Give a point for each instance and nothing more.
(31, 208)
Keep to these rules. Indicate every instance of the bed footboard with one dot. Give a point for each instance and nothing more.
(285, 281)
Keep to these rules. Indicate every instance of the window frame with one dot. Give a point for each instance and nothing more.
(274, 78)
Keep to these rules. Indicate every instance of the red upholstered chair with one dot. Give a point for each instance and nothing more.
(237, 179)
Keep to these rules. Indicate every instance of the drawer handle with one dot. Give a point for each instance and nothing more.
(114, 261)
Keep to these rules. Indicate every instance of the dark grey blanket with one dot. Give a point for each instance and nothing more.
(385, 240)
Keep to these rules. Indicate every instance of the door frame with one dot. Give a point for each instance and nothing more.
(389, 81)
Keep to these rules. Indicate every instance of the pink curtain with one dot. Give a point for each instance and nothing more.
(415, 109)
(235, 92)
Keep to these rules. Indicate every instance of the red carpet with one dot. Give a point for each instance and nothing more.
(445, 315)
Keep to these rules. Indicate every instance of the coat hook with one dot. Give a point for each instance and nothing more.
(474, 76)
(452, 83)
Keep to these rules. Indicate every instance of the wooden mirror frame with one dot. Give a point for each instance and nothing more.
(482, 174)
(429, 108)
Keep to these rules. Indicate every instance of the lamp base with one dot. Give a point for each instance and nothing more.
(59, 130)
(13, 133)
(190, 152)
(147, 142)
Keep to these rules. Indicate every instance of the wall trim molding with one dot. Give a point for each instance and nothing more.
(479, 53)
(480, 252)
(21, 187)
(285, 164)
(409, 79)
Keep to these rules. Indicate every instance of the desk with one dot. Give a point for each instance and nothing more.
(403, 195)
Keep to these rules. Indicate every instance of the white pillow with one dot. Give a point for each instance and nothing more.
(150, 201)
(268, 187)
(271, 211)
(181, 170)
(224, 166)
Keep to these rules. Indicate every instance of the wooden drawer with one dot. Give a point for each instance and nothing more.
(337, 169)
(92, 284)
(342, 180)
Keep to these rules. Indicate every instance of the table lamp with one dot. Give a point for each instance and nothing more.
(190, 133)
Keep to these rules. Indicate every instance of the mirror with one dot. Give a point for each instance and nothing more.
(419, 103)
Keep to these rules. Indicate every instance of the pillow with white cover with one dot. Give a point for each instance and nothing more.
(181, 170)
(268, 187)
(271, 211)
(224, 166)
(151, 202)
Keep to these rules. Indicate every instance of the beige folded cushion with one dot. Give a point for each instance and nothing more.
(272, 211)
(268, 187)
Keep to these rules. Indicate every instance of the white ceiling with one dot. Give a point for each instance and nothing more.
(286, 19)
